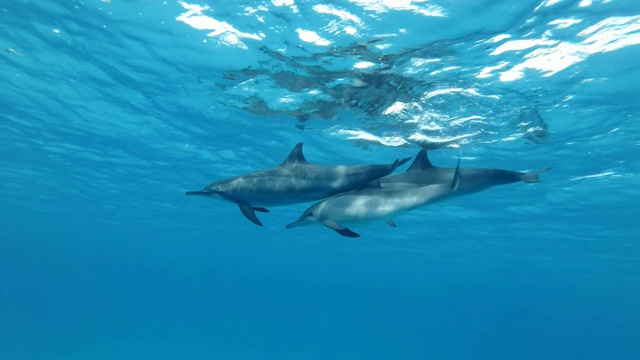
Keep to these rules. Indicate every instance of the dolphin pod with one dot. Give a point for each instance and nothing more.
(374, 202)
(294, 181)
(394, 195)
(357, 194)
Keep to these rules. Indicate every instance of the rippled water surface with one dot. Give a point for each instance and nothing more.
(112, 109)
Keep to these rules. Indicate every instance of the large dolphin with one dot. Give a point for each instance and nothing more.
(374, 202)
(422, 172)
(294, 181)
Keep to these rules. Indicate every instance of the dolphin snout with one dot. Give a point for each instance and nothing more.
(199, 192)
(304, 220)
(294, 224)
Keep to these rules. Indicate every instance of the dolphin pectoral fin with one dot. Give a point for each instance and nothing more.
(260, 209)
(391, 223)
(346, 232)
(248, 212)
(332, 224)
(533, 176)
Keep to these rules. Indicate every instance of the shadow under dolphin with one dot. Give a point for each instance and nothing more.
(294, 181)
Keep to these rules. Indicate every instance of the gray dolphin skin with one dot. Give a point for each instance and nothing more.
(375, 202)
(422, 172)
(292, 182)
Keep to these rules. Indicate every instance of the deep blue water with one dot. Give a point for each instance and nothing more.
(112, 109)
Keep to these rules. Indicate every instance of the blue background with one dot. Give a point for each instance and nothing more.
(112, 109)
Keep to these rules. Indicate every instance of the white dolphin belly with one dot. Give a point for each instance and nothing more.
(377, 204)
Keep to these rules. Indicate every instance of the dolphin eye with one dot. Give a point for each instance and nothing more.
(309, 214)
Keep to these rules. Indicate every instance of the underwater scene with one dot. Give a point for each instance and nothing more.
(288, 179)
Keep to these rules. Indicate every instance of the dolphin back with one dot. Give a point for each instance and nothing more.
(349, 178)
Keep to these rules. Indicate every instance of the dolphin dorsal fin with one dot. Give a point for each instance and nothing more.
(295, 156)
(421, 161)
(456, 178)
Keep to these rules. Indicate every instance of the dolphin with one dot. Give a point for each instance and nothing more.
(375, 202)
(422, 172)
(294, 181)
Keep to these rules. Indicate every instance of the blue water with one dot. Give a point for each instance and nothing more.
(112, 109)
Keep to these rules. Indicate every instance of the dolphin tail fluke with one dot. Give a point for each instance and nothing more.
(199, 192)
(249, 213)
(533, 176)
(400, 162)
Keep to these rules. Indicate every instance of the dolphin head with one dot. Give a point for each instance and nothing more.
(306, 218)
(204, 192)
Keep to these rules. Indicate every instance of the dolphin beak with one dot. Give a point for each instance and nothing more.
(294, 224)
(199, 192)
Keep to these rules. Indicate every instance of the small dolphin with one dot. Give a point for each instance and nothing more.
(375, 202)
(422, 172)
(294, 181)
